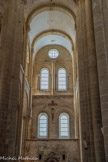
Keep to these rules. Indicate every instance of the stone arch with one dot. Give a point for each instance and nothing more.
(48, 7)
(52, 159)
(57, 32)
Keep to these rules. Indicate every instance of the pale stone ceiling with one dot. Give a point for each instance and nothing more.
(32, 4)
(52, 40)
(55, 18)
(49, 20)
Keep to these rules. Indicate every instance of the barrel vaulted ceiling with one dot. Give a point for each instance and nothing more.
(51, 24)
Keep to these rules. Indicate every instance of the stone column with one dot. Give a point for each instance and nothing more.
(12, 48)
(75, 91)
(100, 17)
(88, 83)
(94, 85)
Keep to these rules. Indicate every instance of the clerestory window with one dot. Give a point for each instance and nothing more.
(43, 125)
(64, 125)
(44, 79)
(53, 53)
(62, 85)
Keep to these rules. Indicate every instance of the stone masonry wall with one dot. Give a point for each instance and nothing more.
(61, 104)
(53, 149)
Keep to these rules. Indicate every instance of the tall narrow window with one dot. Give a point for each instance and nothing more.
(43, 125)
(64, 125)
(62, 79)
(44, 79)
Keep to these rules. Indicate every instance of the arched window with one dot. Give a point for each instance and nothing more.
(44, 79)
(62, 86)
(53, 53)
(64, 125)
(42, 125)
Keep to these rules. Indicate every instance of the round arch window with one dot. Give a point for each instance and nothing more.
(53, 53)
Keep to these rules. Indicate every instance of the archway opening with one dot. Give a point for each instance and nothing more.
(48, 34)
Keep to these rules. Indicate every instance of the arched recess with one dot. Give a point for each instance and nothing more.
(53, 32)
(51, 159)
(49, 20)
(70, 112)
(57, 33)
(45, 11)
(43, 61)
(62, 31)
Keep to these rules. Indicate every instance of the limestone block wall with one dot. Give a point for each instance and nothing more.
(60, 104)
(53, 149)
(12, 47)
(42, 60)
(90, 109)
(100, 18)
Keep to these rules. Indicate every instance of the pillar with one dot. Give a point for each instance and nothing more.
(100, 18)
(11, 52)
(89, 85)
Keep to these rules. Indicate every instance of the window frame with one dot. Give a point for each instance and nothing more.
(58, 79)
(41, 114)
(68, 126)
(41, 78)
(51, 51)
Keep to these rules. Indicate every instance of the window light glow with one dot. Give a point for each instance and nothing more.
(42, 125)
(44, 79)
(53, 53)
(64, 125)
(62, 79)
